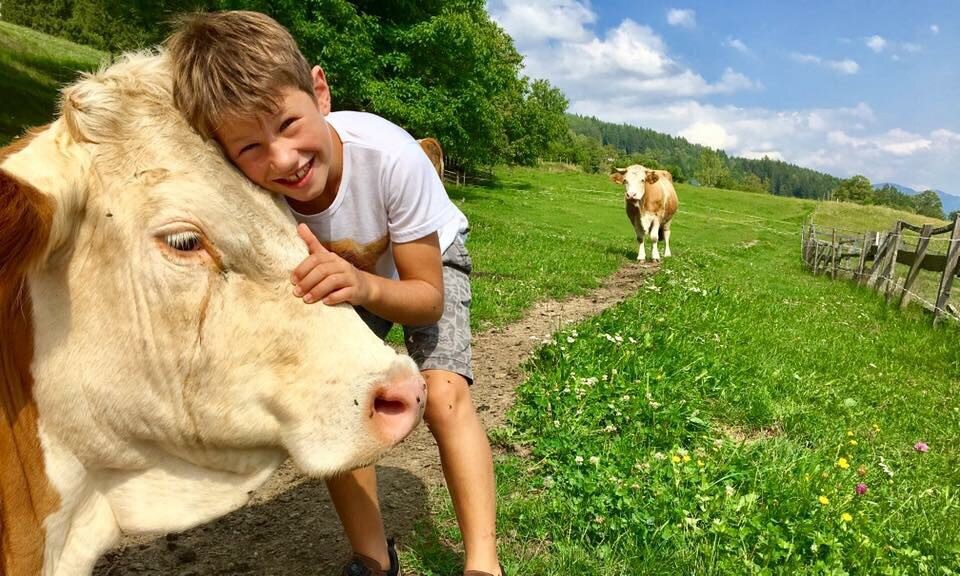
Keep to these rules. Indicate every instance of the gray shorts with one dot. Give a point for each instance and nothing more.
(446, 344)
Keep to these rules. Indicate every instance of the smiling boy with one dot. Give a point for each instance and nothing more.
(382, 235)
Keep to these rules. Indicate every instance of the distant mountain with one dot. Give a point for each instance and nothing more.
(900, 188)
(950, 202)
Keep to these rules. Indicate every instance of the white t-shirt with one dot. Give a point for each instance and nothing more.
(389, 192)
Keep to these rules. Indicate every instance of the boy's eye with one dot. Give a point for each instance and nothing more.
(286, 123)
(247, 148)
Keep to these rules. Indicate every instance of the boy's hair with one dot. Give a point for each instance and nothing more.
(232, 62)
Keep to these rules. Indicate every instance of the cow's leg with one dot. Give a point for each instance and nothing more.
(638, 229)
(654, 238)
(646, 226)
(666, 240)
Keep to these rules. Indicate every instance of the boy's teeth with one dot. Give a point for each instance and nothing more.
(299, 174)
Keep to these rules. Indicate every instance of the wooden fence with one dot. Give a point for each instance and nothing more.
(874, 255)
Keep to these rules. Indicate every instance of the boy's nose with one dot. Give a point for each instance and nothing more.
(283, 159)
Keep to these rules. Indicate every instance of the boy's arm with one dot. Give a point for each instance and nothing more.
(415, 299)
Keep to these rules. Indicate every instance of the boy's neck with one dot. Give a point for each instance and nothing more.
(329, 194)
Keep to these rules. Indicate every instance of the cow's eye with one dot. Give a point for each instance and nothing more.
(184, 241)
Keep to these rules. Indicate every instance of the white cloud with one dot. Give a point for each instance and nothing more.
(737, 44)
(530, 21)
(710, 134)
(629, 74)
(761, 154)
(630, 59)
(845, 66)
(934, 29)
(876, 43)
(685, 18)
(805, 58)
(911, 47)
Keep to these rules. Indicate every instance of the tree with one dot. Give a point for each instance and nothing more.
(928, 203)
(854, 189)
(888, 195)
(711, 170)
(536, 121)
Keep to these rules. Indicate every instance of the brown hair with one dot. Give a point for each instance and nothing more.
(226, 62)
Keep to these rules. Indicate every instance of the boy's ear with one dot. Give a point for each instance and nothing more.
(321, 90)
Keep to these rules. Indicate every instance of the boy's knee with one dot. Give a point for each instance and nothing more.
(448, 397)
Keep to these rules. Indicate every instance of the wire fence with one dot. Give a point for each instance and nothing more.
(898, 263)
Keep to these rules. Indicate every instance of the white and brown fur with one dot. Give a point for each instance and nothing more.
(651, 202)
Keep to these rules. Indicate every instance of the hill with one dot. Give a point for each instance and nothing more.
(678, 154)
(950, 202)
(33, 68)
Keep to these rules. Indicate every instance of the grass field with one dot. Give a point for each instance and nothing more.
(720, 421)
(33, 67)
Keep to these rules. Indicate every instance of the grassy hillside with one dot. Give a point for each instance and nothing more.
(853, 219)
(33, 67)
(858, 218)
(720, 421)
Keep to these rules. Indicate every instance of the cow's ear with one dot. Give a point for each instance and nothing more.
(26, 216)
(652, 177)
(44, 178)
(617, 175)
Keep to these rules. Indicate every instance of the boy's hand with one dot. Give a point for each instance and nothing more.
(323, 275)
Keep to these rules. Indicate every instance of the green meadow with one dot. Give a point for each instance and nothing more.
(33, 68)
(720, 420)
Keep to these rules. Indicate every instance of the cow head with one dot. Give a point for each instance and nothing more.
(634, 179)
(172, 368)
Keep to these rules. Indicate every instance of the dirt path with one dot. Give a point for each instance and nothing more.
(290, 527)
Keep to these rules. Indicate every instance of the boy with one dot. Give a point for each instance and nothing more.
(376, 220)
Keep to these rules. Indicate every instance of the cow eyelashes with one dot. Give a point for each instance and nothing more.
(184, 241)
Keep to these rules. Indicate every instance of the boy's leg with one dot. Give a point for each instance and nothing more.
(467, 465)
(354, 496)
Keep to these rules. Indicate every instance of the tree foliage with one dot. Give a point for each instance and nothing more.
(858, 189)
(854, 189)
(928, 203)
(438, 68)
(684, 158)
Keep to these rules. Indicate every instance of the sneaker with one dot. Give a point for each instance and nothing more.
(361, 565)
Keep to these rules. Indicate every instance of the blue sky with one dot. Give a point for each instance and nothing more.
(845, 87)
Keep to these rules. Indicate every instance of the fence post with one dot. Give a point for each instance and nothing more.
(949, 271)
(816, 252)
(867, 244)
(879, 260)
(833, 256)
(889, 262)
(922, 246)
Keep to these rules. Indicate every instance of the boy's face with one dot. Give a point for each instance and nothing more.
(290, 152)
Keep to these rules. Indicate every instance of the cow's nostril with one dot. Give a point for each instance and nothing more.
(388, 407)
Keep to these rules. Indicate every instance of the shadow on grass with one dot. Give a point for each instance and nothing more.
(31, 86)
(28, 101)
(296, 532)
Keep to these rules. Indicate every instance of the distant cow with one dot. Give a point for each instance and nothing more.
(154, 365)
(651, 202)
(434, 152)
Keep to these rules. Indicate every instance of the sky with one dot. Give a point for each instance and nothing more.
(845, 87)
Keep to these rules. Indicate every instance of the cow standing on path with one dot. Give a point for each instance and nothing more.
(155, 367)
(651, 202)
